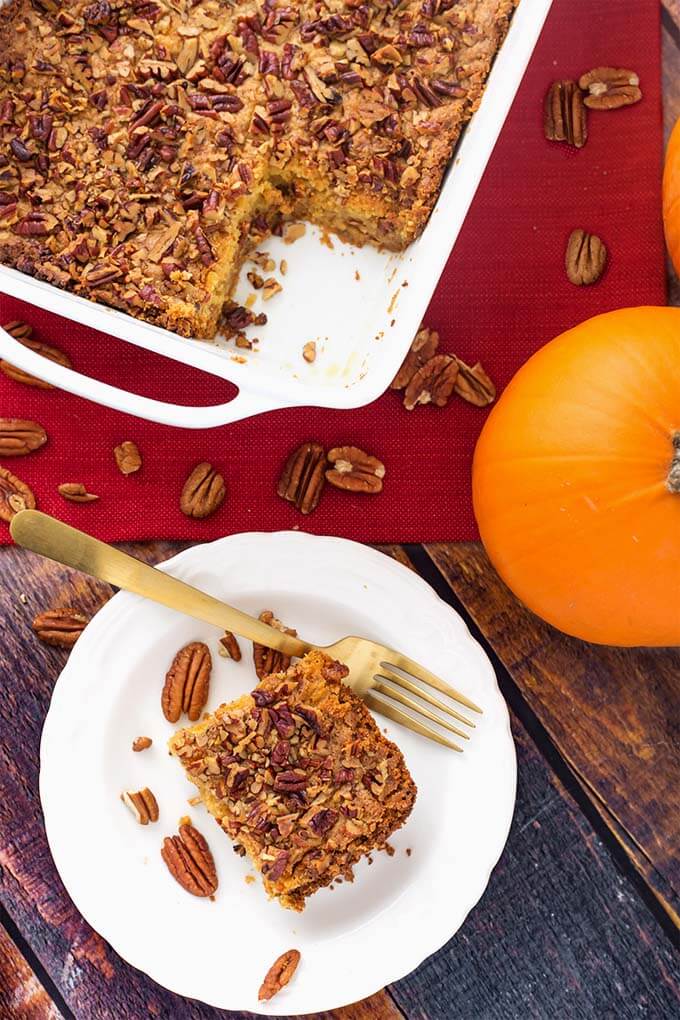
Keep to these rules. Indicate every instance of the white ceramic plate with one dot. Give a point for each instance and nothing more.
(354, 939)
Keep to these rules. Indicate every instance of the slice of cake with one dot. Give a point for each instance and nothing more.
(298, 774)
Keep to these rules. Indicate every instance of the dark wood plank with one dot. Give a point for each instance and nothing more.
(22, 996)
(611, 712)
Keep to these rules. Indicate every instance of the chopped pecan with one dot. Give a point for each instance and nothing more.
(142, 804)
(279, 974)
(609, 88)
(190, 862)
(432, 383)
(187, 682)
(565, 117)
(141, 743)
(309, 351)
(229, 646)
(15, 495)
(474, 385)
(128, 457)
(60, 627)
(303, 479)
(76, 492)
(203, 493)
(424, 347)
(269, 660)
(19, 436)
(585, 258)
(22, 332)
(355, 470)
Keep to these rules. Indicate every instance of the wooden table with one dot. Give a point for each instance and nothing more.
(582, 914)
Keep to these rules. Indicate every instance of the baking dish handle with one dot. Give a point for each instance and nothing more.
(244, 405)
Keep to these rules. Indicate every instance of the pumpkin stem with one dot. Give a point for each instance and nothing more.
(673, 480)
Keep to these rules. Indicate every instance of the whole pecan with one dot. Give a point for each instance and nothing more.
(190, 862)
(15, 495)
(279, 974)
(128, 457)
(355, 470)
(187, 682)
(203, 492)
(432, 383)
(269, 660)
(303, 477)
(22, 332)
(474, 385)
(424, 346)
(609, 88)
(585, 258)
(60, 627)
(19, 436)
(565, 118)
(142, 804)
(230, 646)
(76, 492)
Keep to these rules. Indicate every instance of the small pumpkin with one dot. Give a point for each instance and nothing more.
(671, 196)
(576, 480)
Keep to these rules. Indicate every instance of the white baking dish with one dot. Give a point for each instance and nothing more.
(352, 302)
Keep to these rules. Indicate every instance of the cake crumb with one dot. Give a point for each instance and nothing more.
(249, 879)
(283, 267)
(250, 301)
(194, 800)
(309, 351)
(184, 820)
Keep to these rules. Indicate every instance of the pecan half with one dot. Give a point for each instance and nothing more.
(22, 332)
(60, 627)
(128, 457)
(474, 385)
(187, 682)
(432, 383)
(19, 436)
(76, 492)
(269, 660)
(355, 470)
(141, 743)
(303, 478)
(229, 646)
(190, 862)
(585, 258)
(609, 88)
(565, 118)
(142, 804)
(279, 974)
(424, 346)
(15, 495)
(203, 492)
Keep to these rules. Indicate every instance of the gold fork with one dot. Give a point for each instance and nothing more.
(383, 677)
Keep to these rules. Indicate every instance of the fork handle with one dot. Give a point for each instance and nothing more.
(58, 541)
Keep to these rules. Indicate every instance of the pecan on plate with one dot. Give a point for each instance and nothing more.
(128, 457)
(187, 682)
(141, 743)
(303, 478)
(279, 974)
(60, 627)
(424, 347)
(22, 332)
(142, 804)
(190, 862)
(19, 436)
(76, 492)
(203, 492)
(609, 88)
(355, 470)
(474, 385)
(269, 660)
(229, 647)
(585, 258)
(15, 495)
(565, 118)
(433, 382)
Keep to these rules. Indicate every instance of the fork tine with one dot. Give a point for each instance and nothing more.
(403, 699)
(401, 681)
(409, 666)
(396, 715)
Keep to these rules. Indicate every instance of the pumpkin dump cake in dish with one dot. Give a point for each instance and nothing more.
(298, 775)
(145, 145)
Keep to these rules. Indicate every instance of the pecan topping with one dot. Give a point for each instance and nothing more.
(609, 88)
(279, 974)
(187, 682)
(565, 114)
(15, 495)
(432, 383)
(60, 627)
(355, 470)
(128, 457)
(303, 478)
(141, 743)
(229, 646)
(474, 385)
(19, 436)
(76, 492)
(269, 660)
(142, 804)
(190, 862)
(203, 492)
(424, 347)
(585, 258)
(22, 332)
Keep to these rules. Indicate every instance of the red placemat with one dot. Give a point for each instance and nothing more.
(503, 294)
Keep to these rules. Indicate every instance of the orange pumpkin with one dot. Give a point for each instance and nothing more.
(576, 480)
(671, 196)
